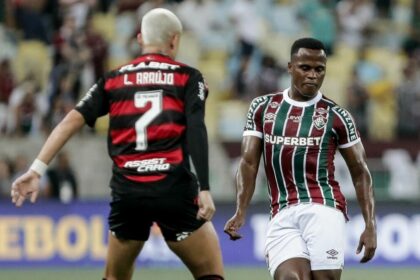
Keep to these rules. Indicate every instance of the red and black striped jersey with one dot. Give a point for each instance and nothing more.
(156, 107)
(300, 140)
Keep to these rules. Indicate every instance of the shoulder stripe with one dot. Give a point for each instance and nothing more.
(253, 133)
(254, 108)
(347, 145)
(347, 121)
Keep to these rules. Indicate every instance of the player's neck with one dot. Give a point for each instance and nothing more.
(296, 95)
(156, 49)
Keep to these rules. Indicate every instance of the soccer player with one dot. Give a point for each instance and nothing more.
(156, 109)
(298, 132)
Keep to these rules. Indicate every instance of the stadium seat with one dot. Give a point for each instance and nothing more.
(33, 57)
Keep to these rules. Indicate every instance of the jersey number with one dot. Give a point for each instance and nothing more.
(140, 101)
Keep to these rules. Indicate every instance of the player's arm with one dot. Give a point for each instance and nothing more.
(27, 185)
(355, 158)
(93, 105)
(251, 150)
(196, 94)
(71, 124)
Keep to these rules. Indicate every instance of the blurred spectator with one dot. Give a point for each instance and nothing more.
(126, 26)
(242, 87)
(404, 182)
(285, 17)
(63, 98)
(357, 102)
(408, 100)
(367, 71)
(73, 54)
(25, 113)
(6, 13)
(5, 175)
(62, 37)
(28, 14)
(23, 108)
(382, 113)
(7, 83)
(383, 7)
(354, 17)
(105, 5)
(322, 22)
(213, 30)
(246, 21)
(411, 43)
(78, 9)
(61, 181)
(268, 78)
(128, 5)
(98, 49)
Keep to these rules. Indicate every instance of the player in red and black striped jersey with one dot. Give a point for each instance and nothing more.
(151, 102)
(156, 111)
(298, 132)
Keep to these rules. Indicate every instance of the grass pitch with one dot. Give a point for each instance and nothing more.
(232, 273)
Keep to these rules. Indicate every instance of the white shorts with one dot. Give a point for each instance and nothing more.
(312, 231)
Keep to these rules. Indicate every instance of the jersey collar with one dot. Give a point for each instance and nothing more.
(310, 102)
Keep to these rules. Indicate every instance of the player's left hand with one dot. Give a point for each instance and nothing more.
(26, 186)
(233, 225)
(206, 206)
(368, 241)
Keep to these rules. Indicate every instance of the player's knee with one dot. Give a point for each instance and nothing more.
(291, 275)
(211, 277)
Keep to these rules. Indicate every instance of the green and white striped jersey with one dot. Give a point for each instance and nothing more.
(300, 142)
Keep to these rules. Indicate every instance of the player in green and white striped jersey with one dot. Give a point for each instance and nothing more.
(298, 132)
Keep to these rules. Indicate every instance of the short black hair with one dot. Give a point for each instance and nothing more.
(307, 43)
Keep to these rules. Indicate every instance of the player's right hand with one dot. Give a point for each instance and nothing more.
(233, 225)
(25, 186)
(368, 241)
(206, 206)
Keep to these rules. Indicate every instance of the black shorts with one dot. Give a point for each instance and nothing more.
(175, 213)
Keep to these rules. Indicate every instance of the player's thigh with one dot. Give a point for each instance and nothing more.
(295, 268)
(284, 242)
(128, 232)
(200, 251)
(324, 232)
(121, 256)
(333, 274)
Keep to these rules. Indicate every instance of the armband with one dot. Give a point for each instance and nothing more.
(39, 167)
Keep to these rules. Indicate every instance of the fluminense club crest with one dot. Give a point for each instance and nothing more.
(319, 119)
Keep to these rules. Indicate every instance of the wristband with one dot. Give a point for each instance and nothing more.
(39, 167)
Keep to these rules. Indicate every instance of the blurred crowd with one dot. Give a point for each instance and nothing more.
(59, 182)
(52, 51)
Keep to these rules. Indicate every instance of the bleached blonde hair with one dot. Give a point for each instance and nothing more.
(158, 26)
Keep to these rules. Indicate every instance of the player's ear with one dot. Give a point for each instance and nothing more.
(140, 39)
(175, 42)
(289, 67)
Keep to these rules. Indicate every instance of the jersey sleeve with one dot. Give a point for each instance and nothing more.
(254, 124)
(94, 104)
(345, 128)
(196, 92)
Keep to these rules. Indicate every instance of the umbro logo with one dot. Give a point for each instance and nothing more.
(269, 117)
(332, 254)
(182, 235)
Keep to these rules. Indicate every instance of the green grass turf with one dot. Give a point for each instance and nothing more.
(237, 273)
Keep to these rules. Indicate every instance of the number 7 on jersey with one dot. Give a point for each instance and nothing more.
(140, 101)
